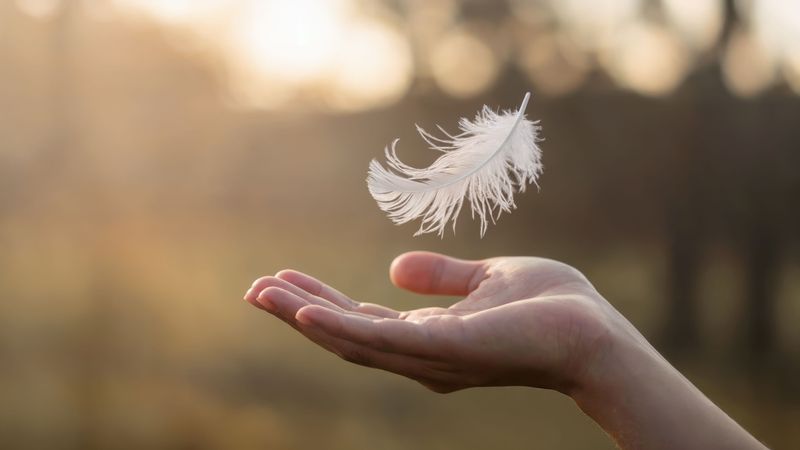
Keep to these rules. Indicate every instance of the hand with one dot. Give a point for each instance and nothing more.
(524, 321)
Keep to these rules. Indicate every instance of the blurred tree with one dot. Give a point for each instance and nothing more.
(737, 186)
(688, 207)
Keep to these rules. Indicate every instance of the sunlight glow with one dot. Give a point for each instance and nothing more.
(769, 41)
(462, 64)
(592, 22)
(374, 67)
(293, 41)
(175, 11)
(554, 63)
(646, 58)
(747, 67)
(777, 24)
(40, 9)
(356, 54)
(276, 49)
(698, 21)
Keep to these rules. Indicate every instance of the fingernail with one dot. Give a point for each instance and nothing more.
(305, 317)
(268, 305)
(253, 292)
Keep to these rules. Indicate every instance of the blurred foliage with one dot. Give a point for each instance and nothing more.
(138, 201)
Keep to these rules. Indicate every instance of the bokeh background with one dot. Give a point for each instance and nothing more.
(156, 156)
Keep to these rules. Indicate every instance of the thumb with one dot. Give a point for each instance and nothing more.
(432, 273)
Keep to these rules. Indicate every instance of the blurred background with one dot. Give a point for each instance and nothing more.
(156, 156)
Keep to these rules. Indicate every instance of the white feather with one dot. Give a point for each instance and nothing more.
(492, 157)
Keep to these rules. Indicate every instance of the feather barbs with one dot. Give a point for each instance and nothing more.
(491, 158)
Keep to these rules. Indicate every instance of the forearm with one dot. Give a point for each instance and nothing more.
(645, 403)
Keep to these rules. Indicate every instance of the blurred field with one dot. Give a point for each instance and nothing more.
(140, 195)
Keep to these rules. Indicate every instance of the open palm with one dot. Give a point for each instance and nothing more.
(523, 321)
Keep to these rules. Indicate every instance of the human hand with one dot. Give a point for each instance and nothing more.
(523, 321)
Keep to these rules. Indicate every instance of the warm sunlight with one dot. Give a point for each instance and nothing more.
(176, 11)
(277, 48)
(747, 68)
(553, 63)
(752, 60)
(293, 41)
(646, 58)
(373, 67)
(592, 22)
(462, 64)
(356, 56)
(38, 8)
(777, 23)
(698, 21)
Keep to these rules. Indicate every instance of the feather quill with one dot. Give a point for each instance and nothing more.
(491, 158)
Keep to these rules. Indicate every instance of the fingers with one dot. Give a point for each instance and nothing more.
(264, 296)
(320, 289)
(283, 300)
(432, 273)
(256, 295)
(386, 335)
(281, 304)
(407, 366)
(285, 305)
(316, 287)
(263, 283)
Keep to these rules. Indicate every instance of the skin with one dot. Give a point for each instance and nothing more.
(523, 322)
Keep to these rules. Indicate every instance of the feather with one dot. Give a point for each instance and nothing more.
(490, 159)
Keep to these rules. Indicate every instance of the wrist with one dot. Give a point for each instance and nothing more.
(642, 401)
(624, 386)
(625, 361)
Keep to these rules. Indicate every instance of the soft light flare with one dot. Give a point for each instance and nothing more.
(646, 58)
(293, 41)
(462, 64)
(747, 67)
(698, 21)
(374, 67)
